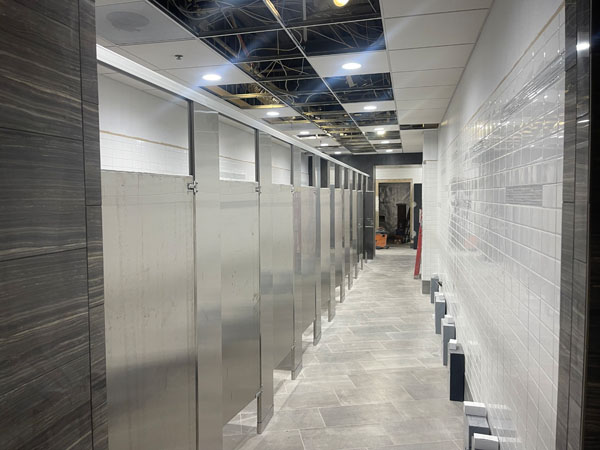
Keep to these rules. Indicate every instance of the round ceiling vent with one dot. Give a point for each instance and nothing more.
(127, 21)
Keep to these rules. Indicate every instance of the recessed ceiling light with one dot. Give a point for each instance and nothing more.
(351, 66)
(385, 142)
(338, 153)
(304, 133)
(273, 113)
(380, 132)
(582, 46)
(389, 151)
(340, 3)
(211, 77)
(370, 108)
(379, 129)
(324, 145)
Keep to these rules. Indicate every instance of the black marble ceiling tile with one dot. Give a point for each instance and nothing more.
(41, 194)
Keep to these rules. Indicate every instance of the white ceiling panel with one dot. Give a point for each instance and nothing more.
(331, 65)
(137, 23)
(419, 78)
(399, 8)
(412, 141)
(359, 107)
(424, 103)
(261, 113)
(229, 74)
(434, 29)
(420, 93)
(450, 56)
(413, 116)
(373, 129)
(194, 53)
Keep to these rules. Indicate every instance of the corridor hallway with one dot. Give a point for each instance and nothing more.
(375, 381)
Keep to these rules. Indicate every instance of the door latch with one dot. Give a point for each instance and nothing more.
(193, 187)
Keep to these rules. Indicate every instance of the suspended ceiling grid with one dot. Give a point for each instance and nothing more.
(281, 61)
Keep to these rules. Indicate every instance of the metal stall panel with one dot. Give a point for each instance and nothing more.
(149, 300)
(360, 226)
(347, 236)
(339, 237)
(310, 262)
(325, 277)
(283, 272)
(354, 225)
(240, 295)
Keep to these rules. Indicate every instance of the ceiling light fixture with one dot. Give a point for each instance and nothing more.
(211, 77)
(385, 142)
(324, 145)
(389, 151)
(351, 66)
(582, 46)
(304, 133)
(340, 3)
(379, 129)
(338, 153)
(380, 132)
(370, 108)
(272, 113)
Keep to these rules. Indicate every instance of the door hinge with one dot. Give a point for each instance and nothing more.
(258, 189)
(193, 187)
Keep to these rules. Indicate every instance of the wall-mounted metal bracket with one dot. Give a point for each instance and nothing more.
(193, 187)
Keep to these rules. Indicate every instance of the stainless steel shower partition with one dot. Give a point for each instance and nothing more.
(283, 272)
(360, 226)
(240, 293)
(310, 262)
(149, 301)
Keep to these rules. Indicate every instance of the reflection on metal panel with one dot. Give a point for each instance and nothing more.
(149, 300)
(354, 226)
(240, 295)
(360, 224)
(347, 242)
(283, 270)
(325, 276)
(309, 252)
(339, 237)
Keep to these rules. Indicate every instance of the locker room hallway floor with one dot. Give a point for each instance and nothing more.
(374, 382)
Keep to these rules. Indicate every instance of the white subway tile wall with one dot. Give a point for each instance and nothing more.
(140, 132)
(281, 159)
(499, 189)
(237, 151)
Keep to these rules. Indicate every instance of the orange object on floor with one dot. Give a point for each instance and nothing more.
(380, 240)
(418, 260)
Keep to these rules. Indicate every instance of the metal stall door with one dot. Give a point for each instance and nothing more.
(325, 272)
(240, 311)
(283, 272)
(360, 226)
(354, 225)
(149, 301)
(347, 236)
(339, 238)
(310, 264)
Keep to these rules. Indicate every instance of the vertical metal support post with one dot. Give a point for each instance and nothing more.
(296, 354)
(327, 182)
(316, 183)
(342, 179)
(349, 181)
(264, 178)
(209, 377)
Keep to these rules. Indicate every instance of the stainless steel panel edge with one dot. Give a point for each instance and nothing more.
(332, 264)
(347, 238)
(209, 377)
(325, 269)
(149, 302)
(309, 250)
(240, 305)
(296, 353)
(266, 198)
(339, 242)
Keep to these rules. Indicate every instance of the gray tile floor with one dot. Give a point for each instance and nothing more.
(374, 382)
